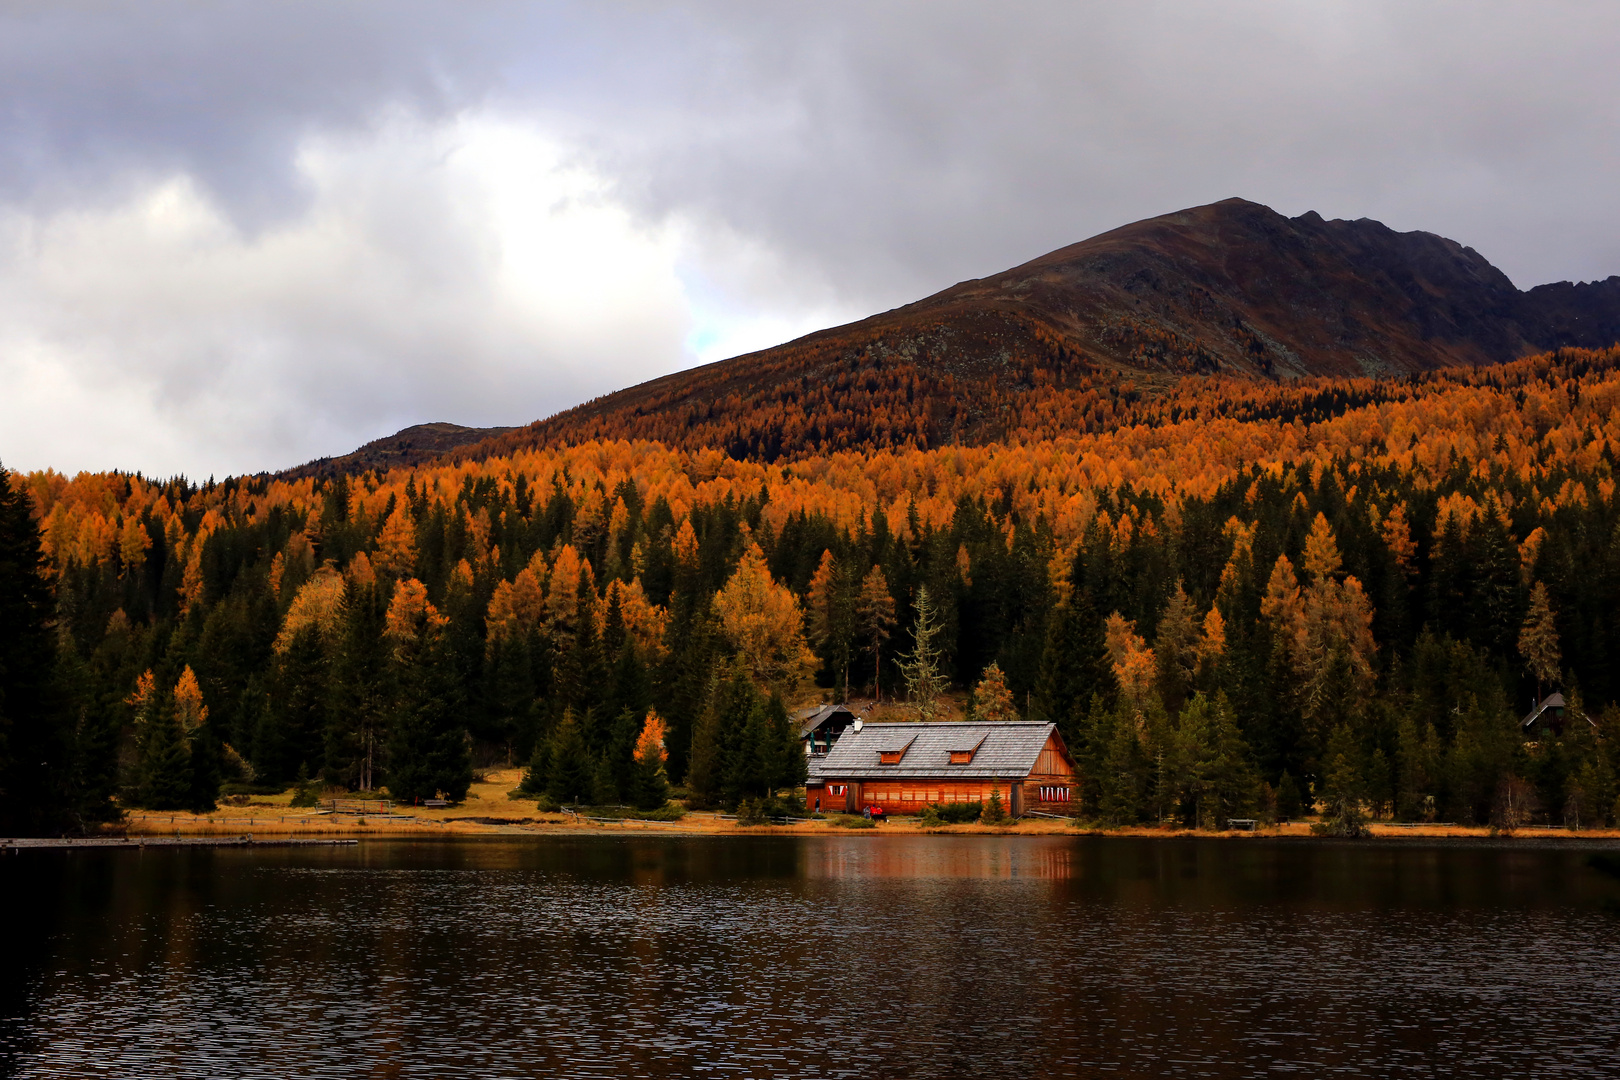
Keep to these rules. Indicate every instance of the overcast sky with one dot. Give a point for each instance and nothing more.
(236, 236)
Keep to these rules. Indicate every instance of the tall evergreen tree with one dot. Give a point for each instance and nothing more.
(569, 773)
(355, 735)
(1074, 668)
(428, 752)
(649, 788)
(96, 738)
(293, 731)
(1343, 787)
(1538, 640)
(725, 760)
(830, 608)
(874, 616)
(35, 743)
(1120, 794)
(923, 666)
(1220, 781)
(165, 778)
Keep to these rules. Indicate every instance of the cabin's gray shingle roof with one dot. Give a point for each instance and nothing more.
(811, 719)
(1005, 750)
(1551, 701)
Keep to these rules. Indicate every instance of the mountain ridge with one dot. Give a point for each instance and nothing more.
(414, 445)
(1230, 288)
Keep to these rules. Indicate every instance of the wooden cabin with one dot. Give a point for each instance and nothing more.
(904, 767)
(1549, 715)
(821, 727)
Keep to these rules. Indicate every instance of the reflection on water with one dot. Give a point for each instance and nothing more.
(858, 956)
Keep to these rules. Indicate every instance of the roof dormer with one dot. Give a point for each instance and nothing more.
(964, 755)
(892, 755)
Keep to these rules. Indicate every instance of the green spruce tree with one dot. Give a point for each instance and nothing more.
(165, 765)
(995, 811)
(649, 788)
(1074, 668)
(35, 726)
(1343, 788)
(428, 752)
(924, 667)
(570, 775)
(535, 775)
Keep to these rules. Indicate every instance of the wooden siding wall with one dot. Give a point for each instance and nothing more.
(833, 801)
(1053, 762)
(910, 796)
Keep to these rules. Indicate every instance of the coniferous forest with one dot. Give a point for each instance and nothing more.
(1231, 597)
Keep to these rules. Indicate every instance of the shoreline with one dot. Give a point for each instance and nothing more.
(177, 829)
(203, 832)
(488, 811)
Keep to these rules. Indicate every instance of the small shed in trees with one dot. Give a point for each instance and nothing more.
(904, 767)
(1549, 715)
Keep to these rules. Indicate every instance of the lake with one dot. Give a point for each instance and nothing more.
(928, 956)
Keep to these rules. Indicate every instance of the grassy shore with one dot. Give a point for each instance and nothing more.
(488, 811)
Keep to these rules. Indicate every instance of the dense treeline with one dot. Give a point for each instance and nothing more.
(1344, 592)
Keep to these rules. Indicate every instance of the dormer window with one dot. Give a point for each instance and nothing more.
(892, 755)
(964, 755)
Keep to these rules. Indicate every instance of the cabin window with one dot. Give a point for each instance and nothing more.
(890, 757)
(835, 789)
(1054, 794)
(961, 757)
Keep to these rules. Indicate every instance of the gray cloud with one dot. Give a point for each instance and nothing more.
(234, 236)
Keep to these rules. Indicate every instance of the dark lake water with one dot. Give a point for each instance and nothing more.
(858, 957)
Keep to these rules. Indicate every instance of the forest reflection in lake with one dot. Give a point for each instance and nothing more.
(843, 956)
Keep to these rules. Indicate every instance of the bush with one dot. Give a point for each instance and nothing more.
(930, 817)
(308, 792)
(1350, 825)
(545, 804)
(1289, 805)
(750, 812)
(955, 813)
(853, 821)
(778, 807)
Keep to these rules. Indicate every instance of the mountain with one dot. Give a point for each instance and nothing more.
(1232, 289)
(415, 445)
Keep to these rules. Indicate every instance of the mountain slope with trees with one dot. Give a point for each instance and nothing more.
(1235, 595)
(1232, 289)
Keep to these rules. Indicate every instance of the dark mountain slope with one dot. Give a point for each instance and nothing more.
(415, 445)
(1231, 288)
